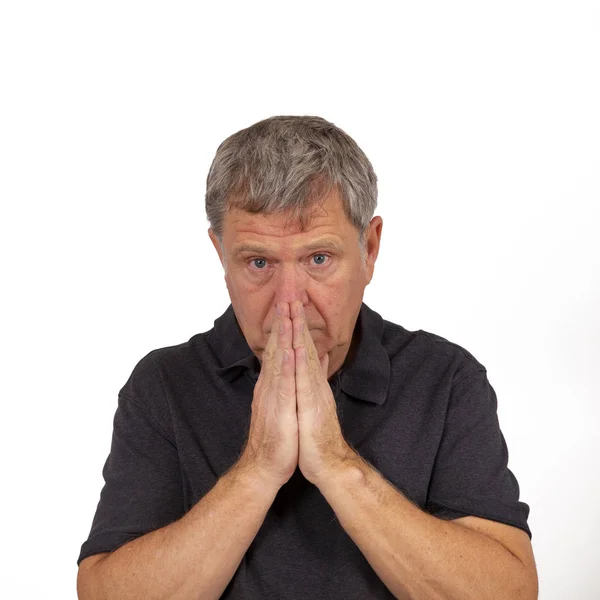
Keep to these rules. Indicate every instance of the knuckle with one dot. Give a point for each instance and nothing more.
(269, 353)
(276, 369)
(281, 394)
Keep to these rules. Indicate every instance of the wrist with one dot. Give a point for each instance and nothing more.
(252, 476)
(348, 469)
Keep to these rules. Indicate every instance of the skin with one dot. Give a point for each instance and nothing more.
(414, 553)
(330, 287)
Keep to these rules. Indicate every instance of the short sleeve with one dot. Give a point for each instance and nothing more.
(143, 488)
(470, 474)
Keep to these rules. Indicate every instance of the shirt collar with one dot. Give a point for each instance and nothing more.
(364, 375)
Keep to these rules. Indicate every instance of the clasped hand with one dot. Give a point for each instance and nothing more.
(293, 396)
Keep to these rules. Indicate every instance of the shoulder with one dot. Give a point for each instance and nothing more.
(429, 351)
(176, 357)
(151, 380)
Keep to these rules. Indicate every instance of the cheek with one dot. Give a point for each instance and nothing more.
(247, 305)
(238, 288)
(240, 284)
(338, 307)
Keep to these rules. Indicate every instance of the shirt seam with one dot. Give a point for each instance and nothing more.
(155, 424)
(444, 342)
(469, 374)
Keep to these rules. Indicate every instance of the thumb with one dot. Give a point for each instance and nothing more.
(325, 364)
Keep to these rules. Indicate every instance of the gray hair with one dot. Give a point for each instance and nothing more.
(286, 164)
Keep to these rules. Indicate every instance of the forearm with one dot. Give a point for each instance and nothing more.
(195, 557)
(416, 555)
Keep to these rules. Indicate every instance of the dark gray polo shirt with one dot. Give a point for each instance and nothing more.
(417, 407)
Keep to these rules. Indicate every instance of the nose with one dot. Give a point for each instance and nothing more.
(290, 286)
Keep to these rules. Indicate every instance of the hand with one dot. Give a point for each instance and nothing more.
(272, 446)
(322, 444)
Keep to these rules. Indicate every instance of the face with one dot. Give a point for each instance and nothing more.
(268, 261)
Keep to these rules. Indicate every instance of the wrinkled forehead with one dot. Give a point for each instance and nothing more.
(320, 216)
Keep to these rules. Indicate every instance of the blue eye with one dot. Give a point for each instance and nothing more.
(259, 259)
(260, 264)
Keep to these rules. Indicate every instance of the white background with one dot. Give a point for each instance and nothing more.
(482, 122)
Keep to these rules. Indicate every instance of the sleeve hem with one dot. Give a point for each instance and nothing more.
(449, 513)
(105, 542)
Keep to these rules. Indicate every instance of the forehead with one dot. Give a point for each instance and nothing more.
(327, 226)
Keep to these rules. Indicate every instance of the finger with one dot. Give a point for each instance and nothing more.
(297, 320)
(285, 377)
(303, 338)
(294, 309)
(325, 365)
(284, 337)
(302, 368)
(304, 387)
(284, 341)
(269, 356)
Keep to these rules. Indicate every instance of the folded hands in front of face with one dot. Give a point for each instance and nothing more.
(294, 417)
(322, 446)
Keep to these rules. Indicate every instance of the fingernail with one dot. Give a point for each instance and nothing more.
(278, 308)
(301, 327)
(281, 327)
(286, 356)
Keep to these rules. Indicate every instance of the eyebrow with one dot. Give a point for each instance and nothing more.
(322, 244)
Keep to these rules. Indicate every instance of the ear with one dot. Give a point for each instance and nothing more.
(215, 241)
(373, 242)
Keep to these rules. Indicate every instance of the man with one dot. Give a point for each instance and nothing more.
(304, 447)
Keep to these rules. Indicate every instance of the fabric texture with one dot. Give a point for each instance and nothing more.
(416, 406)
